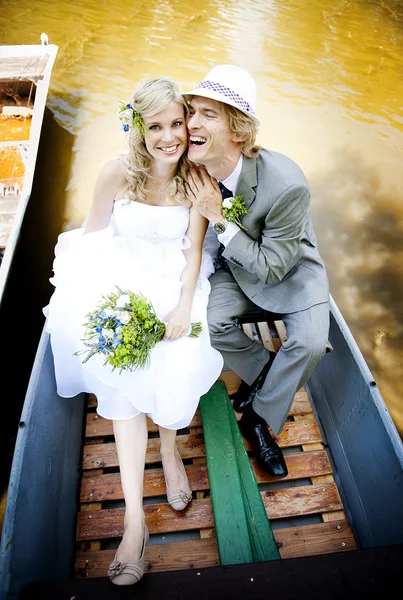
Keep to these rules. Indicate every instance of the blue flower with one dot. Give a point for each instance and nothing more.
(129, 106)
(116, 342)
(125, 128)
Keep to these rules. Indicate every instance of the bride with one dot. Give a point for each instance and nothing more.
(142, 235)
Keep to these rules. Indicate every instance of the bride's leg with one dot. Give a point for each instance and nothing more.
(131, 445)
(178, 490)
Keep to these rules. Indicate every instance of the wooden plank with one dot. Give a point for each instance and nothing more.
(310, 540)
(265, 335)
(264, 546)
(300, 405)
(281, 330)
(96, 456)
(301, 465)
(230, 520)
(293, 542)
(232, 381)
(160, 518)
(98, 426)
(322, 479)
(175, 556)
(235, 494)
(304, 500)
(247, 328)
(107, 487)
(296, 433)
(92, 401)
(192, 446)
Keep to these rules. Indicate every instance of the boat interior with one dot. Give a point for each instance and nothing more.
(305, 509)
(322, 526)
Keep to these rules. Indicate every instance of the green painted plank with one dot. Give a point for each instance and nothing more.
(226, 491)
(242, 528)
(264, 546)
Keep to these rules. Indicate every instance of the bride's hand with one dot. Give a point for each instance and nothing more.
(177, 324)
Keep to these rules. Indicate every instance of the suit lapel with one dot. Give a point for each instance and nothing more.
(247, 181)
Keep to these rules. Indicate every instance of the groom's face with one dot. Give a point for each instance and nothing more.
(210, 136)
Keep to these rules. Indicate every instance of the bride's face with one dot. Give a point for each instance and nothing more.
(167, 137)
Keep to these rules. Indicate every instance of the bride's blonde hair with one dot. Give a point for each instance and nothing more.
(150, 98)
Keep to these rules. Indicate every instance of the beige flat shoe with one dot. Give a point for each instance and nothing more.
(128, 573)
(179, 499)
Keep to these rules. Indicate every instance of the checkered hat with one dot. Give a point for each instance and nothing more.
(231, 85)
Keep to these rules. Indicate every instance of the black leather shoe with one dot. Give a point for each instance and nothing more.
(246, 393)
(269, 455)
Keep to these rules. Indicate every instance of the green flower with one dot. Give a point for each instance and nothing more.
(234, 209)
(124, 328)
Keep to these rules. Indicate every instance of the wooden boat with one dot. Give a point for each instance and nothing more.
(332, 528)
(25, 72)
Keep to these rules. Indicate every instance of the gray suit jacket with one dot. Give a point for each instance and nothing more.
(276, 262)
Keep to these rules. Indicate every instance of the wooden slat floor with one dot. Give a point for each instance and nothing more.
(305, 508)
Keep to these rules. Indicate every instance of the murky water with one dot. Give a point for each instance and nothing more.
(330, 96)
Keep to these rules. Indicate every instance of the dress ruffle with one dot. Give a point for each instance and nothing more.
(140, 250)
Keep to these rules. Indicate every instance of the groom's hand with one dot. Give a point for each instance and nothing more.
(205, 194)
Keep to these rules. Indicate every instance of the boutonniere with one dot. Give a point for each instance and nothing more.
(234, 209)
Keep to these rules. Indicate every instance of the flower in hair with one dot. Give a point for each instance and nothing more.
(129, 117)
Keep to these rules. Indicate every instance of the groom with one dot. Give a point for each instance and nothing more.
(271, 262)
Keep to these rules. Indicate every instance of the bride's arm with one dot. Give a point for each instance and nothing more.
(111, 177)
(178, 321)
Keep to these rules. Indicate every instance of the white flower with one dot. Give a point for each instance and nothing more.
(108, 333)
(123, 300)
(227, 202)
(109, 312)
(124, 317)
(126, 116)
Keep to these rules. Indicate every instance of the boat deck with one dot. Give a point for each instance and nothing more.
(305, 508)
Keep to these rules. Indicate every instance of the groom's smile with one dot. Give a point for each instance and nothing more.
(210, 136)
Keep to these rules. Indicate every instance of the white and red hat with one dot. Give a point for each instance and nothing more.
(231, 85)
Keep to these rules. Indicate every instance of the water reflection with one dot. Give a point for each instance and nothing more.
(330, 87)
(361, 235)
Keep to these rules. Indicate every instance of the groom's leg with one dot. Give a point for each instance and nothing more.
(227, 302)
(306, 344)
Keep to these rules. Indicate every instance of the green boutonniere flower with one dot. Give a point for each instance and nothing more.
(234, 209)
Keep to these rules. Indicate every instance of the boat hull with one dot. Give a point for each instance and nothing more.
(40, 521)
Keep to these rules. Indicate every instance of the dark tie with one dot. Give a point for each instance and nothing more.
(221, 260)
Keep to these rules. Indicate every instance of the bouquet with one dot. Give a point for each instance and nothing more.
(234, 209)
(124, 328)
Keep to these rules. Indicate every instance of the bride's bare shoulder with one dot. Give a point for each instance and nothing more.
(113, 170)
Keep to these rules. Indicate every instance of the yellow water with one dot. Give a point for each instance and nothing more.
(330, 96)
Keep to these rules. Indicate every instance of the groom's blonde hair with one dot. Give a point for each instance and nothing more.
(150, 98)
(242, 125)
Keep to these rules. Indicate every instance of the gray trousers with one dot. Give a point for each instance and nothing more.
(307, 342)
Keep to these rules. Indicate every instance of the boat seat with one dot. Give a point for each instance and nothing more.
(266, 327)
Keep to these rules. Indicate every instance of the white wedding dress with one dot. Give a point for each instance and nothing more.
(140, 250)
